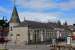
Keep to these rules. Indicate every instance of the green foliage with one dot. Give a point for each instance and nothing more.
(2, 22)
(59, 23)
(3, 49)
(65, 23)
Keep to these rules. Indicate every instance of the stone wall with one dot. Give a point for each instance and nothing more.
(19, 34)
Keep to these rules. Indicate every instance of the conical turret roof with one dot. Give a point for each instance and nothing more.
(14, 17)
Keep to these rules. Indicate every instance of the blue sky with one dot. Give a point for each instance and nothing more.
(40, 10)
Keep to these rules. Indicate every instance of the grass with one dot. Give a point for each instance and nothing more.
(3, 49)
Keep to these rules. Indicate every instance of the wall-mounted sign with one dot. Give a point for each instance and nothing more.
(68, 40)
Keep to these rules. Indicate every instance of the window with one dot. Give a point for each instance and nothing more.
(18, 34)
(11, 34)
(37, 31)
(43, 31)
(11, 28)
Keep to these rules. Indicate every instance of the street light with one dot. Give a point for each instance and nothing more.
(35, 38)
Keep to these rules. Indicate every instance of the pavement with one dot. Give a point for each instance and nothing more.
(12, 46)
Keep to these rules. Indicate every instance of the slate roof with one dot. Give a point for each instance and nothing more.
(14, 17)
(35, 24)
(27, 23)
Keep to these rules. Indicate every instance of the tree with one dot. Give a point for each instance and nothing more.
(4, 30)
(73, 24)
(58, 23)
(65, 24)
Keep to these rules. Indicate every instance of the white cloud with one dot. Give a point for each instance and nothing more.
(44, 17)
(40, 4)
(5, 12)
(2, 10)
(67, 6)
(35, 3)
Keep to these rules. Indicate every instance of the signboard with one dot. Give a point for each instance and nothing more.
(68, 40)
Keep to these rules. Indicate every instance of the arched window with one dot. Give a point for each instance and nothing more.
(18, 34)
(11, 34)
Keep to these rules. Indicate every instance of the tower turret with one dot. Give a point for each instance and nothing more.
(14, 18)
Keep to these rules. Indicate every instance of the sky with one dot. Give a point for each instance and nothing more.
(40, 10)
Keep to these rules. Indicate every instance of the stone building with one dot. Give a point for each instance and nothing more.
(30, 31)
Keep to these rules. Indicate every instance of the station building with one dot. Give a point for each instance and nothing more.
(32, 31)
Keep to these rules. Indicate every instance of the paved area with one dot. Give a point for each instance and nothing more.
(31, 47)
(12, 46)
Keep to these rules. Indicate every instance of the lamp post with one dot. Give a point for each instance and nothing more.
(35, 39)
